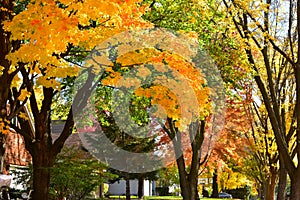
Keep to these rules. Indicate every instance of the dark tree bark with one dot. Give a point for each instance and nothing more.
(7, 112)
(127, 179)
(188, 179)
(41, 177)
(38, 142)
(282, 181)
(140, 187)
(295, 187)
(261, 193)
(101, 190)
(5, 44)
(215, 193)
(183, 176)
(270, 187)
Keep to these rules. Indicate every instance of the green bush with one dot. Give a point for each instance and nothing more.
(241, 193)
(75, 177)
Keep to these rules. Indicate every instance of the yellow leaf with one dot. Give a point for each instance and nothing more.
(24, 94)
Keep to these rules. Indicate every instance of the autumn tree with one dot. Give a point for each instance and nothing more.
(272, 47)
(6, 13)
(246, 147)
(207, 21)
(258, 158)
(262, 163)
(41, 42)
(184, 98)
(232, 146)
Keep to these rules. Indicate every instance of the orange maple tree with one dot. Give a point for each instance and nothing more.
(234, 143)
(42, 44)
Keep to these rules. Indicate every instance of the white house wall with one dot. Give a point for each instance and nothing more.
(119, 188)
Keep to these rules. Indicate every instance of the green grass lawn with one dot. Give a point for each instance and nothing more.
(165, 197)
(176, 198)
(161, 198)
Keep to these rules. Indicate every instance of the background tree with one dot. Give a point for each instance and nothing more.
(272, 48)
(7, 77)
(157, 94)
(226, 159)
(206, 20)
(265, 154)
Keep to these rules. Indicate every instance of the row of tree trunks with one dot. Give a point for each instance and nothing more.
(140, 188)
(270, 83)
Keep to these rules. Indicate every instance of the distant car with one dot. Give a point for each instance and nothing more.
(225, 195)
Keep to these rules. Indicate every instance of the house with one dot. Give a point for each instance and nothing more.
(119, 188)
(17, 157)
(15, 152)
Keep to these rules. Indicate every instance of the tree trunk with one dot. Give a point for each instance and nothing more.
(127, 188)
(101, 190)
(41, 176)
(194, 187)
(183, 175)
(188, 180)
(270, 189)
(2, 152)
(40, 145)
(295, 172)
(140, 188)
(196, 129)
(295, 187)
(6, 13)
(265, 191)
(215, 193)
(261, 192)
(6, 46)
(184, 183)
(282, 182)
(196, 191)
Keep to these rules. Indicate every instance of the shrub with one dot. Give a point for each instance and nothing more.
(75, 177)
(241, 193)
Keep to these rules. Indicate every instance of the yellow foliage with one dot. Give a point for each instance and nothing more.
(1, 69)
(49, 29)
(48, 82)
(4, 126)
(24, 94)
(179, 89)
(16, 82)
(136, 57)
(112, 79)
(232, 180)
(23, 115)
